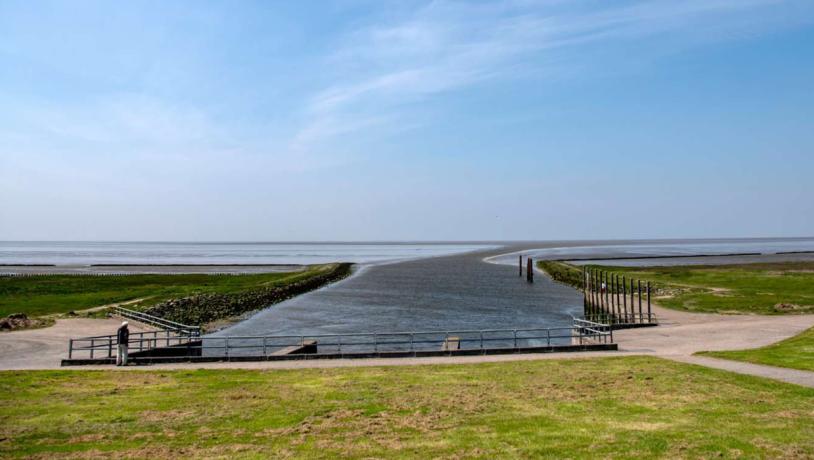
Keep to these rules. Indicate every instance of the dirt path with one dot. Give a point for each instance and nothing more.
(45, 348)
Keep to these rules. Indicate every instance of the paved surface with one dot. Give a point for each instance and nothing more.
(45, 348)
(681, 334)
(797, 377)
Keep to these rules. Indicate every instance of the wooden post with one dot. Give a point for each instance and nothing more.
(640, 300)
(593, 290)
(584, 292)
(649, 315)
(618, 300)
(624, 296)
(613, 296)
(529, 271)
(632, 304)
(520, 265)
(607, 288)
(594, 303)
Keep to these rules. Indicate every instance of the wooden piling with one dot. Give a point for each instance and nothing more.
(624, 296)
(649, 314)
(632, 303)
(640, 300)
(520, 265)
(613, 297)
(529, 270)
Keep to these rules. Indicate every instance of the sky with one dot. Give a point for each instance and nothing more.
(366, 120)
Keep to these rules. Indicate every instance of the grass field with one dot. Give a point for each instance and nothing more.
(768, 289)
(42, 295)
(627, 407)
(796, 352)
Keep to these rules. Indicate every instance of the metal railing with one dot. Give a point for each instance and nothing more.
(403, 343)
(156, 321)
(104, 346)
(623, 319)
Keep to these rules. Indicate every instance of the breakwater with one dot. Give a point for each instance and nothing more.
(206, 308)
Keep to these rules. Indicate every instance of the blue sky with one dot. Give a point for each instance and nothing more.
(374, 120)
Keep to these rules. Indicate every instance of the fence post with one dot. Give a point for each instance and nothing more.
(110, 347)
(594, 292)
(624, 296)
(70, 348)
(648, 302)
(92, 346)
(608, 297)
(520, 265)
(632, 303)
(640, 300)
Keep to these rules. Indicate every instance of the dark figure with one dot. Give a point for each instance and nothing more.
(123, 337)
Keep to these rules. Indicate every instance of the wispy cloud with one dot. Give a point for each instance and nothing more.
(383, 68)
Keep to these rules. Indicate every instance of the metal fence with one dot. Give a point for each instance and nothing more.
(104, 346)
(627, 320)
(165, 324)
(405, 343)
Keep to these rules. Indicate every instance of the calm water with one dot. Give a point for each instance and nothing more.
(85, 253)
(447, 293)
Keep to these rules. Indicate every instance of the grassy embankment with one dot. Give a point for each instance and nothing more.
(632, 407)
(766, 288)
(770, 288)
(58, 294)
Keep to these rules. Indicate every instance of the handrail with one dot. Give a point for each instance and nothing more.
(157, 321)
(411, 342)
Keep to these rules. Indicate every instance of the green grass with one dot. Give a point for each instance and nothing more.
(767, 288)
(796, 352)
(631, 407)
(562, 272)
(42, 295)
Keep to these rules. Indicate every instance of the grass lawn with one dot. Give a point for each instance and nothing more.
(627, 407)
(42, 295)
(764, 288)
(796, 352)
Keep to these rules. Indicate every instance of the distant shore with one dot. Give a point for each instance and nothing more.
(147, 269)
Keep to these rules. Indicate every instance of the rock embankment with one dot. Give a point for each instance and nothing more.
(207, 308)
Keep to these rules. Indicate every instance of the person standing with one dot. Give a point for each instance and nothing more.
(123, 337)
